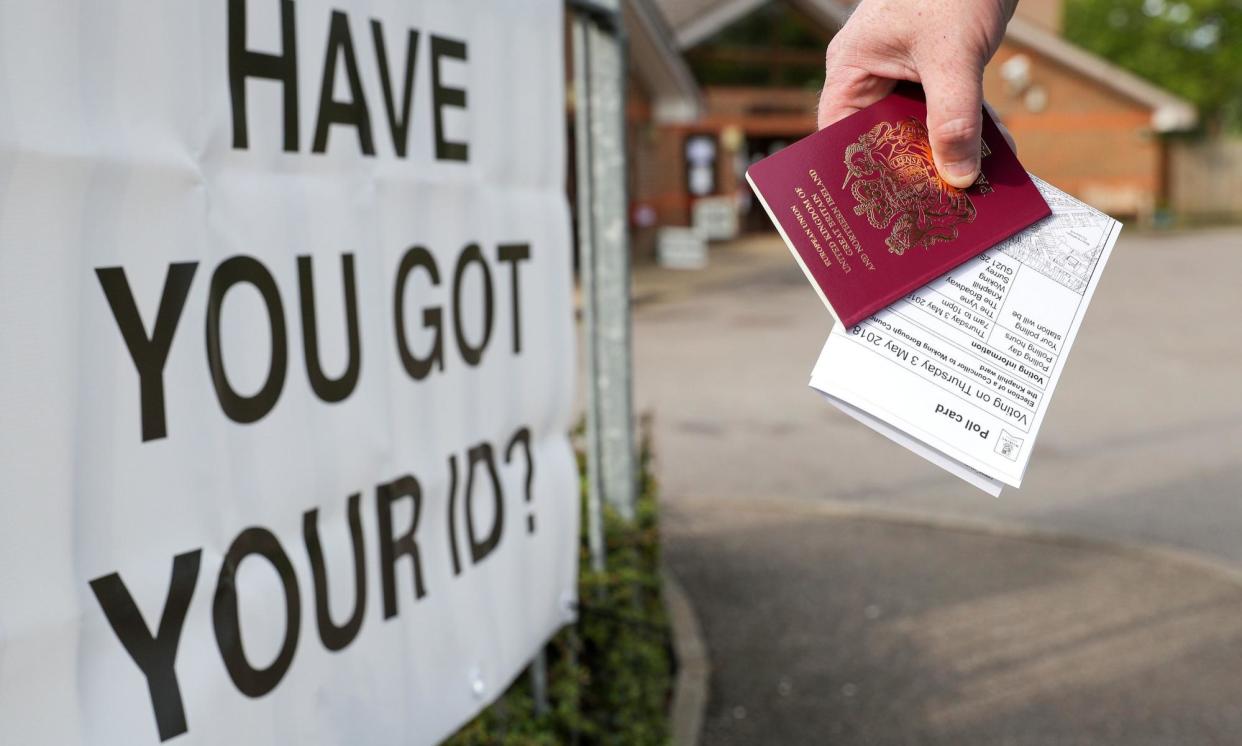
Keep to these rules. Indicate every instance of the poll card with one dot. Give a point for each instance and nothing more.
(962, 370)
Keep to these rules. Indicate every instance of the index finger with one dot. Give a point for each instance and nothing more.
(847, 90)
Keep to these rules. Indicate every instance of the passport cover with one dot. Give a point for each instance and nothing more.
(866, 215)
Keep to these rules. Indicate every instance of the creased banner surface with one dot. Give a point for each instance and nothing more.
(286, 367)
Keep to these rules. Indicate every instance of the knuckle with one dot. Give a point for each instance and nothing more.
(836, 50)
(959, 131)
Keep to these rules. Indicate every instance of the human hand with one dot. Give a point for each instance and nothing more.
(942, 44)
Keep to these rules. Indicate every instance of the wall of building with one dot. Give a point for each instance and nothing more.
(649, 183)
(658, 194)
(1072, 130)
(1085, 139)
(1205, 179)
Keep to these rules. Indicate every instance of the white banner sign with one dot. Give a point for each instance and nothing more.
(286, 365)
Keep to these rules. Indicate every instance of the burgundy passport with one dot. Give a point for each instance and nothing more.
(862, 209)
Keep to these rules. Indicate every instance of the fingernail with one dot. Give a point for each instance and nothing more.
(961, 174)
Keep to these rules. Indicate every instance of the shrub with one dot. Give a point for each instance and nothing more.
(610, 674)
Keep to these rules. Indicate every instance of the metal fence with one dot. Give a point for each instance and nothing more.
(599, 86)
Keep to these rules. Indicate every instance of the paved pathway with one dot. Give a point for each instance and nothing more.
(780, 519)
(830, 629)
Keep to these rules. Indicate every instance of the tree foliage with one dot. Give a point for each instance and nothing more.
(1190, 47)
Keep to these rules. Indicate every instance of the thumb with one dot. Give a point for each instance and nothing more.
(955, 120)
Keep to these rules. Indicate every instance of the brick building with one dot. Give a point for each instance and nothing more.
(748, 73)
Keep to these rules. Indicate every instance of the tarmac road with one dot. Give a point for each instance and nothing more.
(1142, 442)
(852, 593)
(825, 628)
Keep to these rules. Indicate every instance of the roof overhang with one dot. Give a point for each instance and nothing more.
(675, 95)
(829, 14)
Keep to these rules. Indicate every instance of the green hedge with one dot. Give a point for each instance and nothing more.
(609, 675)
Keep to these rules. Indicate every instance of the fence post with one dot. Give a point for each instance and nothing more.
(599, 60)
(604, 254)
(539, 682)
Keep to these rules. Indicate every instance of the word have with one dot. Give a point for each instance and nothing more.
(155, 652)
(352, 110)
(149, 352)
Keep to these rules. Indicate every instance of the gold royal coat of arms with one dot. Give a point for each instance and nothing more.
(896, 183)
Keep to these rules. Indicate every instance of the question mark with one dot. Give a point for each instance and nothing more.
(523, 436)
